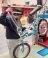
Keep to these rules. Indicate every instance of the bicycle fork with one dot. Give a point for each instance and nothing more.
(22, 47)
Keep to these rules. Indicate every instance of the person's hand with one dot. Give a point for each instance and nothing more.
(9, 9)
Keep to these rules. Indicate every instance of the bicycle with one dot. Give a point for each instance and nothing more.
(24, 46)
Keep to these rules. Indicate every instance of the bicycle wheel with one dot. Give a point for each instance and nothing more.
(23, 54)
(42, 27)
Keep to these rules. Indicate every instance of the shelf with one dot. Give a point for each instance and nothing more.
(19, 6)
(26, 9)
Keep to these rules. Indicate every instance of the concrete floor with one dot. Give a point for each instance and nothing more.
(33, 53)
(3, 44)
(4, 52)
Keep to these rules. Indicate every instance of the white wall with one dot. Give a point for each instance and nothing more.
(0, 6)
(21, 2)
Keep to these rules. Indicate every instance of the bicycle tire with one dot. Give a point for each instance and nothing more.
(20, 45)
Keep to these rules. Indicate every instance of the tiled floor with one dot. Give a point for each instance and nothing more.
(4, 49)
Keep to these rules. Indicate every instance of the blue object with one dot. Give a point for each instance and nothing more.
(43, 16)
(43, 52)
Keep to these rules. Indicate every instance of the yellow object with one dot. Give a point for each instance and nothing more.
(23, 20)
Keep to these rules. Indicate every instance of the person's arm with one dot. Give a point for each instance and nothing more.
(3, 18)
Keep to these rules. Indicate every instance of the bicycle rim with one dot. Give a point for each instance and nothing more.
(21, 54)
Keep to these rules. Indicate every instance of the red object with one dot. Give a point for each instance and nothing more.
(44, 43)
(27, 11)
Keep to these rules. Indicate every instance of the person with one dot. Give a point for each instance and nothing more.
(11, 31)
